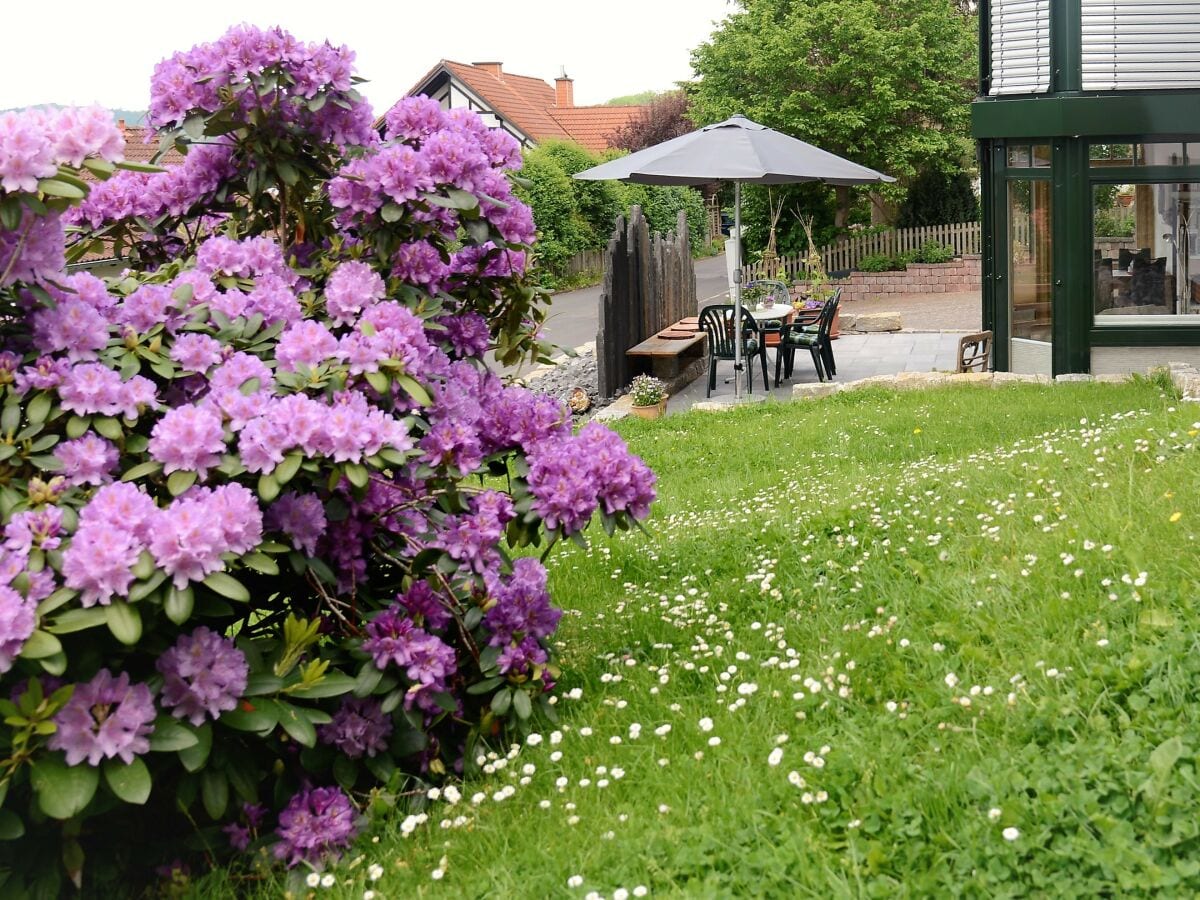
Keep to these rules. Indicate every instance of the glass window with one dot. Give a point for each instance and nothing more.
(1158, 154)
(1018, 156)
(1111, 154)
(1145, 252)
(1041, 156)
(1029, 273)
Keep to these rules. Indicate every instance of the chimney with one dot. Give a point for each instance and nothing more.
(564, 90)
(492, 68)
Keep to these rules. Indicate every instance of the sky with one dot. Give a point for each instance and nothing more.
(610, 48)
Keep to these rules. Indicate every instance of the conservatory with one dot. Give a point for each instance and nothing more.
(1088, 123)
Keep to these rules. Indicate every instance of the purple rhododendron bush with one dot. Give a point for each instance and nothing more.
(259, 491)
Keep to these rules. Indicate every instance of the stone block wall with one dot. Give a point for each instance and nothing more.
(964, 274)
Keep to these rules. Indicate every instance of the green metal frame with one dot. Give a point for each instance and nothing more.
(1070, 121)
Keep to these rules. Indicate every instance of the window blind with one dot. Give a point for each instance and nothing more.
(1020, 50)
(1140, 44)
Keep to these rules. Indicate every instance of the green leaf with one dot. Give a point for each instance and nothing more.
(214, 792)
(521, 703)
(413, 388)
(55, 187)
(180, 480)
(368, 679)
(129, 781)
(482, 687)
(195, 756)
(260, 562)
(38, 408)
(287, 172)
(40, 645)
(78, 620)
(193, 127)
(268, 486)
(11, 826)
(170, 735)
(286, 470)
(296, 723)
(63, 791)
(262, 683)
(124, 621)
(99, 167)
(1165, 755)
(227, 586)
(345, 771)
(260, 717)
(357, 473)
(332, 684)
(502, 701)
(108, 427)
(131, 166)
(141, 470)
(179, 603)
(77, 425)
(391, 212)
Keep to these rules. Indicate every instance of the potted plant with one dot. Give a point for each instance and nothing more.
(649, 397)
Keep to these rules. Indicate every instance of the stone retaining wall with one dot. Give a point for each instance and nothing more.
(964, 274)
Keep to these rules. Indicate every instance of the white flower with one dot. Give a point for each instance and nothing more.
(368, 895)
(775, 757)
(714, 741)
(313, 879)
(534, 739)
(706, 724)
(1011, 834)
(374, 871)
(574, 881)
(951, 679)
(640, 891)
(437, 874)
(620, 894)
(796, 779)
(994, 814)
(327, 880)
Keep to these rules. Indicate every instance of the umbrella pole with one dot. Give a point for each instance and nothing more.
(737, 293)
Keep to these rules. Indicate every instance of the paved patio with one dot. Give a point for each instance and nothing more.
(856, 355)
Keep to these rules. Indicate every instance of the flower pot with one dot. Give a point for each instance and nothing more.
(834, 329)
(654, 411)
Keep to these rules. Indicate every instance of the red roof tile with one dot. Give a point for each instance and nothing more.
(529, 104)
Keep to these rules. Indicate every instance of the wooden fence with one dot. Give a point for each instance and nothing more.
(584, 261)
(649, 283)
(846, 252)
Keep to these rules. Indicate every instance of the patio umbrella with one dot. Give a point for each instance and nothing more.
(740, 151)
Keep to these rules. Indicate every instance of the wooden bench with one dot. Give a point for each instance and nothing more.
(669, 353)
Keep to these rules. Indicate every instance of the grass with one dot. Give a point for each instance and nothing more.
(946, 641)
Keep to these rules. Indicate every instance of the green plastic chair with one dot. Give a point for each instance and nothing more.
(717, 322)
(813, 337)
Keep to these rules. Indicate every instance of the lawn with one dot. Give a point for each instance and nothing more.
(876, 645)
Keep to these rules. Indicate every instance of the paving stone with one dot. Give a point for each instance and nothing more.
(1073, 377)
(882, 321)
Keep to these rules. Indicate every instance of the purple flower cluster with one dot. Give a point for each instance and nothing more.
(18, 618)
(429, 149)
(346, 430)
(33, 143)
(359, 728)
(522, 609)
(33, 252)
(189, 438)
(198, 80)
(34, 529)
(471, 539)
(467, 333)
(301, 517)
(316, 822)
(569, 477)
(393, 639)
(204, 674)
(351, 289)
(105, 718)
(186, 539)
(92, 388)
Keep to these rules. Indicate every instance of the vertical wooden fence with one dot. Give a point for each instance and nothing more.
(649, 283)
(845, 253)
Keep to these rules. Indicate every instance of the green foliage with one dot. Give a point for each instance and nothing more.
(640, 99)
(573, 215)
(1107, 224)
(933, 252)
(881, 262)
(646, 390)
(886, 83)
(909, 536)
(936, 197)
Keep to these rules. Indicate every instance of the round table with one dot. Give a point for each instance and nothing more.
(778, 311)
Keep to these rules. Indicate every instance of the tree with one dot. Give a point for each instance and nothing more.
(664, 118)
(886, 83)
(937, 197)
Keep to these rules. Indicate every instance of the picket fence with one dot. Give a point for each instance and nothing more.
(846, 252)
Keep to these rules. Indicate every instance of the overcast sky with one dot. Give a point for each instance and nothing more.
(107, 52)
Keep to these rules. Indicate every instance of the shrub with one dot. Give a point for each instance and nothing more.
(254, 584)
(933, 252)
(881, 262)
(936, 197)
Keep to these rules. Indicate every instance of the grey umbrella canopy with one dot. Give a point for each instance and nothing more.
(740, 151)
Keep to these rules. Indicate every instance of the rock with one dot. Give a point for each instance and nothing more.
(811, 391)
(725, 404)
(1111, 378)
(1068, 377)
(618, 409)
(999, 378)
(848, 321)
(873, 381)
(884, 321)
(1187, 383)
(971, 378)
(916, 381)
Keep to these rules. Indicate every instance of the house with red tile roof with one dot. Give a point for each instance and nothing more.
(527, 108)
